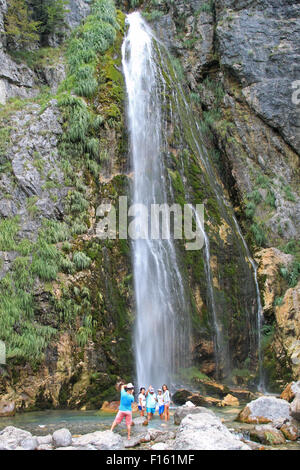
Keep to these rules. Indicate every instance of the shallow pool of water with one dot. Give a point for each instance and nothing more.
(41, 423)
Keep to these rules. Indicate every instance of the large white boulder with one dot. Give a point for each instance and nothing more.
(62, 438)
(11, 438)
(205, 431)
(265, 409)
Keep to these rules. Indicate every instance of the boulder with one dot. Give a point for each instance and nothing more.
(295, 407)
(181, 396)
(182, 411)
(290, 431)
(242, 394)
(265, 409)
(214, 389)
(102, 440)
(290, 391)
(62, 438)
(7, 408)
(44, 439)
(230, 400)
(11, 438)
(204, 431)
(201, 400)
(267, 434)
(30, 443)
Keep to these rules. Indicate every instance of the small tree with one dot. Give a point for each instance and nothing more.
(20, 29)
(51, 16)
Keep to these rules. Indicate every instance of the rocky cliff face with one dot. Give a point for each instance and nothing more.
(238, 60)
(65, 294)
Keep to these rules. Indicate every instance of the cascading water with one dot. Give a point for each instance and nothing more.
(162, 319)
(156, 105)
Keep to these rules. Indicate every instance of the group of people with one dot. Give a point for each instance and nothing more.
(147, 401)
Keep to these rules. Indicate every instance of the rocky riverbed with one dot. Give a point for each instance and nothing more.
(267, 422)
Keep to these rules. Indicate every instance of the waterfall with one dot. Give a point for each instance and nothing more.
(163, 299)
(161, 337)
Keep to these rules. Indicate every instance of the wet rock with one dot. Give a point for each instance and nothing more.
(183, 411)
(62, 438)
(241, 394)
(201, 400)
(265, 409)
(180, 396)
(7, 408)
(102, 440)
(267, 435)
(214, 389)
(230, 400)
(253, 445)
(290, 431)
(204, 431)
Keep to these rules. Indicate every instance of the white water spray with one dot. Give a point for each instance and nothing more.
(162, 317)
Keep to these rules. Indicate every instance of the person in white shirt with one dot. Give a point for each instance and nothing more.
(142, 401)
(160, 401)
(166, 398)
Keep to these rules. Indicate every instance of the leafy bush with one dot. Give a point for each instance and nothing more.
(85, 332)
(258, 231)
(8, 231)
(78, 203)
(81, 261)
(291, 274)
(95, 36)
(67, 266)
